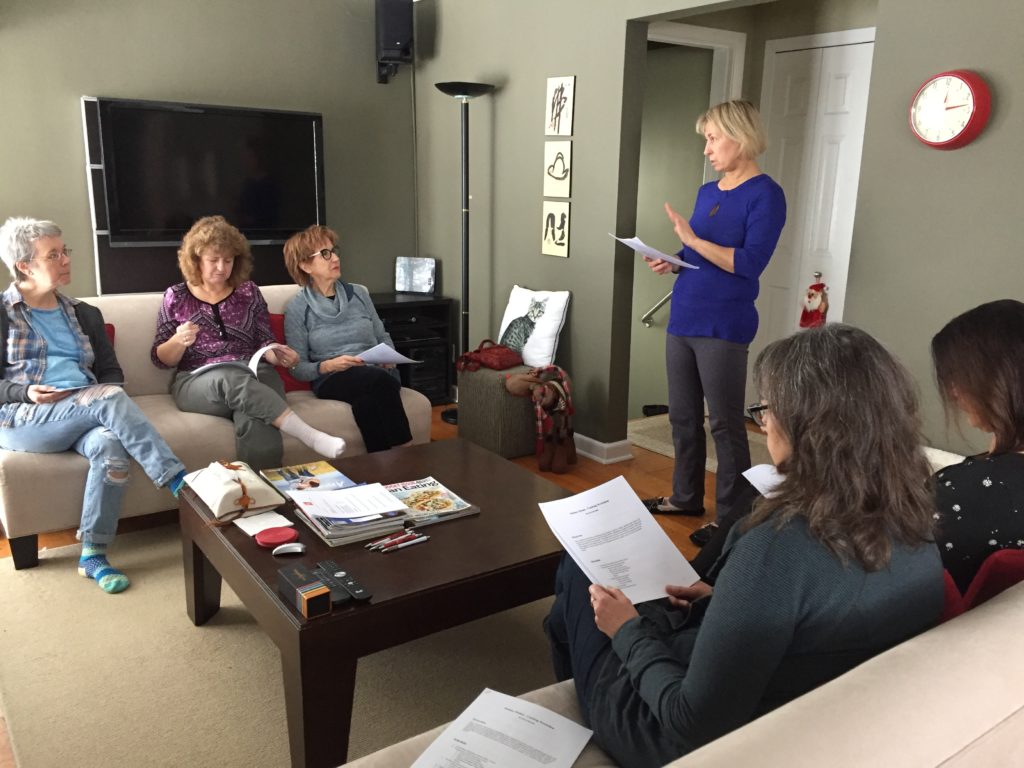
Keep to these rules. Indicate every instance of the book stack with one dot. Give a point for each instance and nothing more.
(339, 510)
(427, 501)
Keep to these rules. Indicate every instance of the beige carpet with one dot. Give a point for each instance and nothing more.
(89, 679)
(655, 434)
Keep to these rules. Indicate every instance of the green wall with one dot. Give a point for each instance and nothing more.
(517, 46)
(677, 84)
(936, 232)
(314, 55)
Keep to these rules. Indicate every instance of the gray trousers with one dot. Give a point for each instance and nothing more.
(252, 403)
(714, 369)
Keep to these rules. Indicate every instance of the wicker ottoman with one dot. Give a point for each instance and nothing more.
(492, 418)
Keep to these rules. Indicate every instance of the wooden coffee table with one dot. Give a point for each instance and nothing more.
(471, 567)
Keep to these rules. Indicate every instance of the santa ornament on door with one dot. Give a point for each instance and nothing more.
(815, 304)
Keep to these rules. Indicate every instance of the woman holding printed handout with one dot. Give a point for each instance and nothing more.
(218, 315)
(836, 563)
(330, 323)
(730, 237)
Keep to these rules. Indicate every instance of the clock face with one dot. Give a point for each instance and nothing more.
(950, 109)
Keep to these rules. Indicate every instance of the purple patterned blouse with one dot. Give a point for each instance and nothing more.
(232, 329)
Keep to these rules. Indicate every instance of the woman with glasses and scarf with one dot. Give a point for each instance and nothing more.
(60, 390)
(328, 323)
(218, 315)
(837, 563)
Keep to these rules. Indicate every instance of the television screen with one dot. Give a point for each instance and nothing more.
(166, 165)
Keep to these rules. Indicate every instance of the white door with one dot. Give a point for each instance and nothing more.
(814, 103)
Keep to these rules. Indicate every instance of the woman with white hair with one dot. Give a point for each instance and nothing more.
(59, 389)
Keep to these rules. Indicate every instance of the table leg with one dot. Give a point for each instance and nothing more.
(319, 685)
(202, 583)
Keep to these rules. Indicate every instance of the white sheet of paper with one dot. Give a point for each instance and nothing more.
(764, 477)
(86, 386)
(500, 730)
(256, 523)
(355, 502)
(617, 542)
(643, 249)
(382, 354)
(252, 365)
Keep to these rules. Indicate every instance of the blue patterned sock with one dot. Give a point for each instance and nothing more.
(93, 565)
(177, 483)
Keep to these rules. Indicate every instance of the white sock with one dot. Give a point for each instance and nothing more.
(326, 445)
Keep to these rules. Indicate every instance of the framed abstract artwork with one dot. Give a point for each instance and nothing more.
(555, 240)
(558, 107)
(557, 168)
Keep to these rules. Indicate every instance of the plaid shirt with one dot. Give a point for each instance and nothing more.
(25, 347)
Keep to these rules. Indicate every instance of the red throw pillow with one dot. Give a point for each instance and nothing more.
(111, 332)
(291, 384)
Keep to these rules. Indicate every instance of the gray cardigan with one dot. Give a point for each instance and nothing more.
(319, 328)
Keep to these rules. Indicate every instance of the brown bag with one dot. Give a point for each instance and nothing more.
(496, 356)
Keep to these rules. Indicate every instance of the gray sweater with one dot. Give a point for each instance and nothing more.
(319, 328)
(785, 617)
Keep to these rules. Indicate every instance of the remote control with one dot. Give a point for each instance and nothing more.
(353, 587)
(339, 594)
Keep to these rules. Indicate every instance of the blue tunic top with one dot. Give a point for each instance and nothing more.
(709, 301)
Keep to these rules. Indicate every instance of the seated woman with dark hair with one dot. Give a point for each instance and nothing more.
(218, 315)
(328, 323)
(60, 389)
(979, 366)
(834, 566)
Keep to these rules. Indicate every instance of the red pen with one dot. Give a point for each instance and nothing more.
(399, 541)
(390, 537)
(405, 544)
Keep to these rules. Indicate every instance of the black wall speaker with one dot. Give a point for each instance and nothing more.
(394, 31)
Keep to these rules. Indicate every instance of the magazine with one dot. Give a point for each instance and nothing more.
(335, 533)
(427, 501)
(312, 476)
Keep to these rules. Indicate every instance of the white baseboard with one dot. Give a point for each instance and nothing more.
(603, 453)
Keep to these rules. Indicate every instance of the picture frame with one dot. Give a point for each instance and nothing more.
(559, 106)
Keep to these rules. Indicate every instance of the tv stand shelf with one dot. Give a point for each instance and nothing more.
(421, 327)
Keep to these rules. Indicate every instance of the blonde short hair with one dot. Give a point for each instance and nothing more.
(741, 122)
(215, 232)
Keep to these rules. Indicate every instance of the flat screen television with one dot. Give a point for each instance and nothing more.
(166, 165)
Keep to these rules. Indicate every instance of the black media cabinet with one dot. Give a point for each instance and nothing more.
(421, 327)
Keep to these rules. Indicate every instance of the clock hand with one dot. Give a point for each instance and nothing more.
(955, 106)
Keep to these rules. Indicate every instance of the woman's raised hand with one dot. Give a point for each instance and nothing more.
(681, 597)
(681, 226)
(185, 334)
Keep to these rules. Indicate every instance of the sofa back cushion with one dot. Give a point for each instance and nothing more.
(133, 316)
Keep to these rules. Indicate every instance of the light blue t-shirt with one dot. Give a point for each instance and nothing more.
(63, 367)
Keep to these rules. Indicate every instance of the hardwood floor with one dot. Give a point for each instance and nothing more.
(649, 473)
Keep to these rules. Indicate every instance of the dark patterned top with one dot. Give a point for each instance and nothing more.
(981, 510)
(232, 329)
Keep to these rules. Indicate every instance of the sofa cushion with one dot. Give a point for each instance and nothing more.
(291, 384)
(542, 342)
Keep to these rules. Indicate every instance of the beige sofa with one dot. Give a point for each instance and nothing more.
(43, 492)
(953, 696)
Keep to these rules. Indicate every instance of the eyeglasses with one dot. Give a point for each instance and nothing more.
(56, 255)
(756, 412)
(326, 253)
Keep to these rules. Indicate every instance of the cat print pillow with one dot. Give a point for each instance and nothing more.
(532, 322)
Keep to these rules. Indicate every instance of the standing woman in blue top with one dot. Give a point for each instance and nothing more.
(730, 236)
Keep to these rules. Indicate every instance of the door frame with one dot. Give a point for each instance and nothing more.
(729, 50)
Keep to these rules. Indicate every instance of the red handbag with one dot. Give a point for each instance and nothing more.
(496, 356)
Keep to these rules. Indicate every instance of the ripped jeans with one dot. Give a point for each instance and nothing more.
(106, 427)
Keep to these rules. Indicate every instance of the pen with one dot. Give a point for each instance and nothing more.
(405, 544)
(389, 537)
(407, 536)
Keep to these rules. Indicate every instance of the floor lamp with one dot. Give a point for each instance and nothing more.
(463, 92)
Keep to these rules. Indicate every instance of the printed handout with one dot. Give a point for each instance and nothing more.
(643, 249)
(359, 501)
(500, 730)
(382, 354)
(616, 542)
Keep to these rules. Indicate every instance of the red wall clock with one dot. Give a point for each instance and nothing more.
(950, 109)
